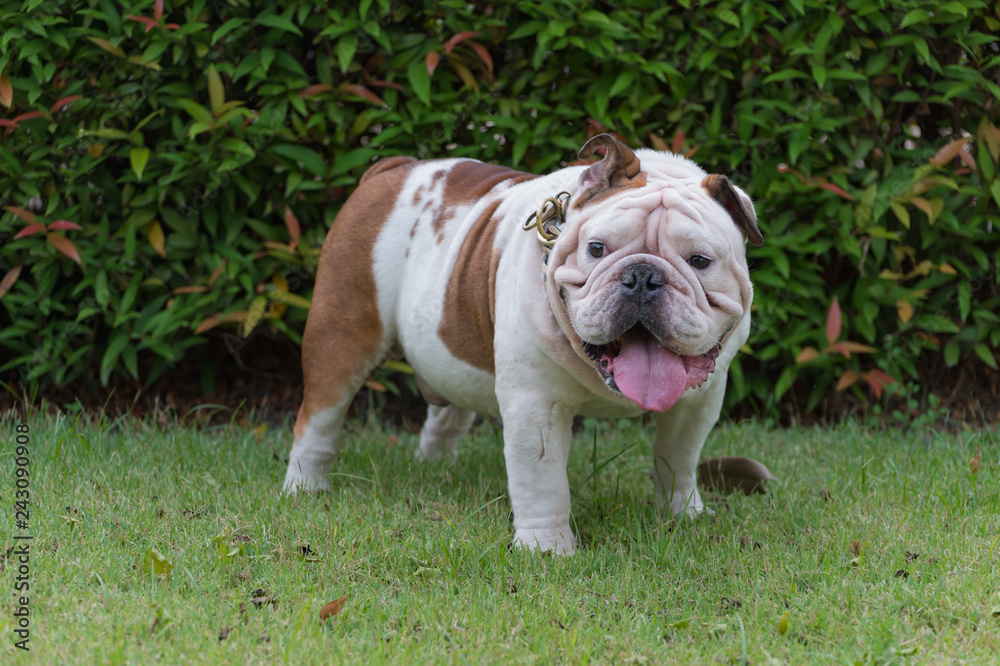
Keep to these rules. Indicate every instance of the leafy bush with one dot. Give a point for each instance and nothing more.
(203, 150)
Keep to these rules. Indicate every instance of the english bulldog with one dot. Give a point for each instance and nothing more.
(605, 290)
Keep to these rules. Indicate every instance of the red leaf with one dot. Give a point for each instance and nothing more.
(967, 158)
(65, 224)
(30, 115)
(25, 215)
(171, 26)
(9, 279)
(315, 89)
(208, 323)
(847, 379)
(949, 150)
(158, 9)
(806, 355)
(361, 91)
(64, 245)
(677, 143)
(837, 190)
(833, 322)
(385, 84)
(597, 127)
(145, 20)
(65, 101)
(483, 54)
(784, 168)
(878, 380)
(431, 60)
(4, 122)
(217, 272)
(457, 39)
(30, 230)
(840, 348)
(294, 229)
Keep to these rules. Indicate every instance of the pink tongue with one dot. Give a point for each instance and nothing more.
(649, 373)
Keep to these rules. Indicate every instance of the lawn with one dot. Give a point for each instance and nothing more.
(874, 546)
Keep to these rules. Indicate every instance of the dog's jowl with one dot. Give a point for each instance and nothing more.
(603, 290)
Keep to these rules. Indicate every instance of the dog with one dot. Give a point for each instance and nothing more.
(606, 290)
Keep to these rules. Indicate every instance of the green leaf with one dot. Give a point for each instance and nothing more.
(623, 82)
(131, 361)
(819, 73)
(138, 158)
(153, 563)
(420, 81)
(309, 158)
(107, 46)
(798, 142)
(279, 22)
(101, 292)
(986, 355)
(785, 381)
(346, 47)
(216, 93)
(954, 8)
(525, 29)
(785, 75)
(227, 28)
(951, 354)
(196, 110)
(913, 17)
(119, 338)
(286, 298)
(901, 213)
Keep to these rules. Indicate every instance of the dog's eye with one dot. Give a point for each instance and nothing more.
(699, 262)
(596, 249)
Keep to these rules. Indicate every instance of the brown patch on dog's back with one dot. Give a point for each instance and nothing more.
(468, 318)
(344, 330)
(467, 183)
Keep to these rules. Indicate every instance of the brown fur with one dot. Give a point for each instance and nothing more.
(469, 316)
(617, 172)
(344, 313)
(468, 183)
(719, 188)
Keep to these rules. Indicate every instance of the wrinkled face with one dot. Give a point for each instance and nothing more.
(651, 280)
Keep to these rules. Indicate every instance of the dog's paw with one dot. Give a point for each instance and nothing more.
(299, 478)
(555, 540)
(688, 505)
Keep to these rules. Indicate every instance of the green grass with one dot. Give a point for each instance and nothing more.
(874, 546)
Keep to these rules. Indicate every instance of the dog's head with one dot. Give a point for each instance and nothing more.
(649, 272)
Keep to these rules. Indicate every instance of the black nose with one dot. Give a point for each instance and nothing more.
(642, 282)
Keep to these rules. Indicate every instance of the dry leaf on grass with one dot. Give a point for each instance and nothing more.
(332, 608)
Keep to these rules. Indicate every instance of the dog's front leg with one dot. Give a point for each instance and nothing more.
(537, 435)
(680, 435)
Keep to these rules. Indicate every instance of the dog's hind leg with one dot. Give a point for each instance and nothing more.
(336, 360)
(345, 336)
(444, 426)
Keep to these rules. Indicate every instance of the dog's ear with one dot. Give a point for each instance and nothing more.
(619, 167)
(736, 203)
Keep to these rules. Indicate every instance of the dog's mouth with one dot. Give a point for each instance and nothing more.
(636, 365)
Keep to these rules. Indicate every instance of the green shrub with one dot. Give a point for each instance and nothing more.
(204, 149)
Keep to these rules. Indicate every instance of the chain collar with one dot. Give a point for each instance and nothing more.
(547, 221)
